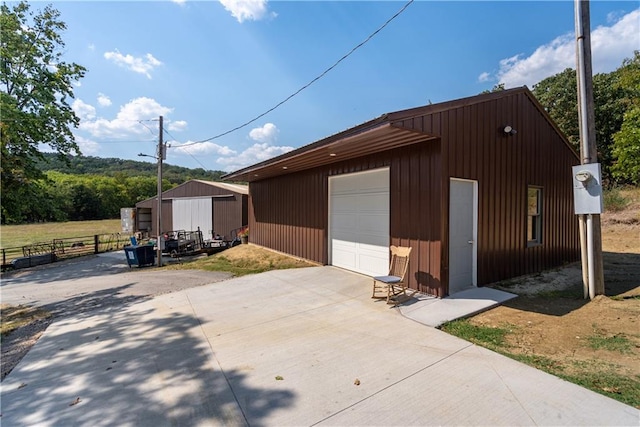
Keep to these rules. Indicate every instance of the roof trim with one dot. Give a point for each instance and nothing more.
(369, 138)
(235, 188)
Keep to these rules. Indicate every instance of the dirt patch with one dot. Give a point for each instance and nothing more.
(17, 344)
(262, 256)
(245, 259)
(589, 339)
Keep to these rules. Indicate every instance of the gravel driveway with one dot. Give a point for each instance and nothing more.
(84, 284)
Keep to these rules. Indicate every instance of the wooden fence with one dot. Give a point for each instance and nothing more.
(59, 249)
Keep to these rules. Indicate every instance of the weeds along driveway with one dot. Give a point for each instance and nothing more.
(289, 347)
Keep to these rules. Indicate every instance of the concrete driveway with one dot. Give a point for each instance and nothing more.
(293, 347)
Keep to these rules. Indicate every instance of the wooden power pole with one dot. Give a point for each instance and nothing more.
(590, 229)
(159, 215)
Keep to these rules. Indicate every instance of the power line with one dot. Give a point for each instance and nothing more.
(308, 84)
(185, 150)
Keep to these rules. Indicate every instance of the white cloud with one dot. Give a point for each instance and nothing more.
(248, 10)
(180, 2)
(143, 65)
(609, 46)
(202, 148)
(104, 100)
(177, 125)
(87, 146)
(83, 110)
(127, 121)
(229, 159)
(254, 154)
(92, 46)
(267, 133)
(484, 77)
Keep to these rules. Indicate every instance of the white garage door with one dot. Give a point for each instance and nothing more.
(359, 222)
(191, 213)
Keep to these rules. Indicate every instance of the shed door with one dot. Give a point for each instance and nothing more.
(191, 213)
(359, 222)
(463, 218)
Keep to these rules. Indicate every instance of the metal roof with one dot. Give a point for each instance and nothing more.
(237, 188)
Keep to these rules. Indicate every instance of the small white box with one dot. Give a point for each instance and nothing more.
(587, 189)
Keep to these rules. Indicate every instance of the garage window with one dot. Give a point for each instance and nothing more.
(534, 216)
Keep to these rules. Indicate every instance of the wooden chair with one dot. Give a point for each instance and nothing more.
(393, 284)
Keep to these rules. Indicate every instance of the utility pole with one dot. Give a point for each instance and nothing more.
(590, 230)
(159, 215)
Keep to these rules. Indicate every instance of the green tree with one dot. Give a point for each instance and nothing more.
(496, 88)
(626, 148)
(614, 94)
(35, 88)
(626, 145)
(558, 95)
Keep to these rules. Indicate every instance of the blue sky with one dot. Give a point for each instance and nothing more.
(210, 66)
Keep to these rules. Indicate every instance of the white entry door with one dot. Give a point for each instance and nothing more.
(359, 222)
(463, 233)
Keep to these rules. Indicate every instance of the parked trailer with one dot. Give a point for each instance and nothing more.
(181, 243)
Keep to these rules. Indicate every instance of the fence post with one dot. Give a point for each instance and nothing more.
(96, 242)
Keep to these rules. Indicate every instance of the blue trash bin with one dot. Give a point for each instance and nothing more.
(140, 255)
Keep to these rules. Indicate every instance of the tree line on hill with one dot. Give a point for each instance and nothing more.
(88, 165)
(76, 188)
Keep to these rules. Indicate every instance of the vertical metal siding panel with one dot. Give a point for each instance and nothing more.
(485, 194)
(498, 148)
(481, 165)
(435, 233)
(244, 209)
(425, 219)
(475, 127)
(520, 191)
(405, 200)
(415, 220)
(528, 128)
(447, 161)
(464, 129)
(511, 183)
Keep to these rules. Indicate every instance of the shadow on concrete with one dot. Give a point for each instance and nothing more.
(76, 268)
(81, 305)
(124, 365)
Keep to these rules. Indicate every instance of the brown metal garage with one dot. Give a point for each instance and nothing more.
(481, 184)
(213, 206)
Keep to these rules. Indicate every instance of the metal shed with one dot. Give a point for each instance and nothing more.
(480, 187)
(217, 207)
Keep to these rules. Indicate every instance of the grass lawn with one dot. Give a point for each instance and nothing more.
(12, 236)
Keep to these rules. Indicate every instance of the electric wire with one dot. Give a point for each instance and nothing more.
(308, 84)
(185, 150)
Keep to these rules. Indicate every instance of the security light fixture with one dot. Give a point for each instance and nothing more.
(509, 130)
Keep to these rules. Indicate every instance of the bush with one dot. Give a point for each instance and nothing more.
(614, 201)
